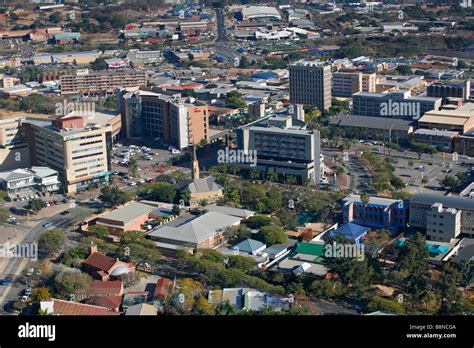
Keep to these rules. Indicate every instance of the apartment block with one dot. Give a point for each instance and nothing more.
(427, 208)
(452, 88)
(79, 152)
(443, 224)
(378, 212)
(400, 104)
(345, 84)
(310, 83)
(93, 83)
(283, 145)
(175, 121)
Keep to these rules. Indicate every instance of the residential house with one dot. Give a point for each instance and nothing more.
(104, 267)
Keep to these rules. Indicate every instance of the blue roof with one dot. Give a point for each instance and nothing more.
(351, 231)
(248, 245)
(264, 75)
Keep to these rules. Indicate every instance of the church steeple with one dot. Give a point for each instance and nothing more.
(195, 169)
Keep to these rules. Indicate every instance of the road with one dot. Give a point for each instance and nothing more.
(15, 266)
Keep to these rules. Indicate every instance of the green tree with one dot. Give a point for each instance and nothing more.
(272, 235)
(243, 263)
(189, 92)
(132, 167)
(4, 214)
(272, 176)
(404, 70)
(159, 191)
(244, 63)
(449, 297)
(233, 100)
(36, 205)
(40, 294)
(365, 198)
(203, 307)
(50, 242)
(70, 283)
(99, 64)
(392, 146)
(55, 17)
(259, 221)
(450, 182)
(113, 196)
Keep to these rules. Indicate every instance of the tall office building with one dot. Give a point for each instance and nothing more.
(79, 152)
(453, 88)
(175, 121)
(310, 83)
(399, 104)
(283, 145)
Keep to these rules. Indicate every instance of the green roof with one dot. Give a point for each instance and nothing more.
(310, 249)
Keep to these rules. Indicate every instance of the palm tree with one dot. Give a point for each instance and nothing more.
(291, 180)
(272, 176)
(254, 174)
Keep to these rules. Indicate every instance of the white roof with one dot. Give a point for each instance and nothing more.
(198, 229)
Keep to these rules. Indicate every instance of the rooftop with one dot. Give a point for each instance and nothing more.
(447, 201)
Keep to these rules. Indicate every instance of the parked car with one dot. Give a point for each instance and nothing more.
(5, 281)
(47, 224)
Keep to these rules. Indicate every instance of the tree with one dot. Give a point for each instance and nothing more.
(211, 86)
(412, 262)
(185, 196)
(37, 103)
(234, 101)
(176, 209)
(51, 242)
(450, 182)
(203, 307)
(272, 235)
(99, 64)
(254, 174)
(272, 176)
(113, 196)
(449, 297)
(237, 231)
(404, 70)
(4, 214)
(132, 167)
(40, 294)
(259, 221)
(243, 263)
(36, 205)
(189, 92)
(159, 191)
(392, 146)
(291, 180)
(397, 183)
(55, 17)
(365, 198)
(244, 63)
(71, 283)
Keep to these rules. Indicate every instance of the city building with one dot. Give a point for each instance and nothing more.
(85, 82)
(104, 267)
(78, 151)
(351, 232)
(280, 144)
(451, 88)
(400, 104)
(345, 84)
(443, 224)
(421, 212)
(439, 139)
(459, 120)
(378, 212)
(26, 182)
(259, 12)
(132, 216)
(376, 128)
(175, 121)
(191, 232)
(200, 189)
(310, 83)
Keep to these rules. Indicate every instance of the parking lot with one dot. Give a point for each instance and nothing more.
(432, 168)
(151, 161)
